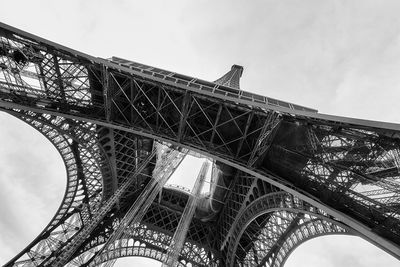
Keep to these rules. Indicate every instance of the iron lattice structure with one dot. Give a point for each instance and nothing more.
(282, 173)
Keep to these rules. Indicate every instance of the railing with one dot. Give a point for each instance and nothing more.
(205, 85)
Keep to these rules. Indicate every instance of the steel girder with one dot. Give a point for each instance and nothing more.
(168, 161)
(346, 167)
(179, 238)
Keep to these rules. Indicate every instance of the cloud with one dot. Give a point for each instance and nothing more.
(341, 57)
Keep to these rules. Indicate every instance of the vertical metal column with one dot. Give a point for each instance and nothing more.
(186, 218)
(170, 161)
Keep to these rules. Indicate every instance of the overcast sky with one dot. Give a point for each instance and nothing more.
(340, 57)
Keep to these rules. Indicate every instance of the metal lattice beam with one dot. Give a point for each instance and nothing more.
(179, 237)
(102, 114)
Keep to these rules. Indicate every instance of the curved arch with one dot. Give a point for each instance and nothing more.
(291, 245)
(131, 251)
(275, 206)
(360, 211)
(83, 164)
(283, 247)
(149, 253)
(145, 242)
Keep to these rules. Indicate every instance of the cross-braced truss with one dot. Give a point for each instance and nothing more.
(282, 174)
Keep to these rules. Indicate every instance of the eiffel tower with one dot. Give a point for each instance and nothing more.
(281, 173)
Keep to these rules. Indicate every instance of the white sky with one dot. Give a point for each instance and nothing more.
(340, 57)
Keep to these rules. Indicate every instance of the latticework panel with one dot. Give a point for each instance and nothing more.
(153, 244)
(85, 167)
(340, 170)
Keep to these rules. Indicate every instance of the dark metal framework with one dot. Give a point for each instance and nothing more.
(285, 173)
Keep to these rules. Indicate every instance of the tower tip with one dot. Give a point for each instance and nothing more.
(237, 68)
(232, 77)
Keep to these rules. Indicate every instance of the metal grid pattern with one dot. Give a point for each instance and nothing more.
(101, 116)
